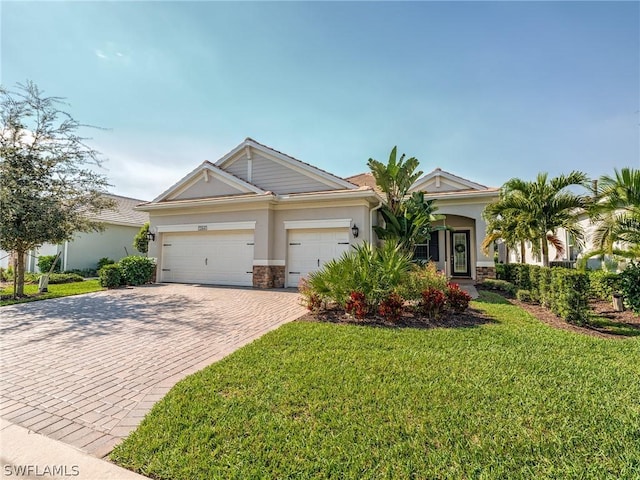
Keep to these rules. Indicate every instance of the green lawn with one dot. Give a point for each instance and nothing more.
(510, 399)
(55, 291)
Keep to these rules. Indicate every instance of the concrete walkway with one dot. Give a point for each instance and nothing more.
(29, 455)
(85, 370)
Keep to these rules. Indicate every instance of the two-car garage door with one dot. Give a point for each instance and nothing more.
(217, 258)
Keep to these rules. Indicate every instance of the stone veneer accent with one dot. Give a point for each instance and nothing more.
(482, 273)
(271, 276)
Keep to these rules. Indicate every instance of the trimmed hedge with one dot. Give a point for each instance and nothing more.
(603, 285)
(65, 278)
(630, 286)
(137, 270)
(565, 291)
(500, 286)
(45, 261)
(110, 276)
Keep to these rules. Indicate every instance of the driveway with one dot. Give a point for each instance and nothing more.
(85, 370)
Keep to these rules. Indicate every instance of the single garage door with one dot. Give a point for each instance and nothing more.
(309, 249)
(216, 258)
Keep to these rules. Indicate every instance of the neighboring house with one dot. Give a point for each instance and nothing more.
(457, 250)
(259, 217)
(116, 241)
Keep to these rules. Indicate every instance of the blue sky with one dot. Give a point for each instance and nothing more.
(485, 90)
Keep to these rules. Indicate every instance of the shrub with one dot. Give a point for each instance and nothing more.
(544, 287)
(522, 278)
(509, 274)
(433, 302)
(376, 273)
(391, 307)
(83, 272)
(630, 286)
(65, 278)
(3, 275)
(421, 278)
(524, 296)
(45, 262)
(569, 298)
(499, 285)
(104, 261)
(110, 276)
(603, 284)
(500, 271)
(357, 305)
(310, 300)
(534, 281)
(457, 300)
(137, 270)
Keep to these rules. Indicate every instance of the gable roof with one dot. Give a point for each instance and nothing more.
(304, 168)
(454, 182)
(207, 168)
(123, 213)
(365, 179)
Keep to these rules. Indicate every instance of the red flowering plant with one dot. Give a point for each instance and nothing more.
(433, 302)
(391, 307)
(457, 300)
(357, 305)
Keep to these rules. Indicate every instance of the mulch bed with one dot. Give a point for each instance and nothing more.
(473, 317)
(470, 318)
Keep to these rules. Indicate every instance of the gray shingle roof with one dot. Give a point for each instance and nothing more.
(124, 214)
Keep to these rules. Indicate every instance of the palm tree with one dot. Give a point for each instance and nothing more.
(508, 227)
(535, 211)
(395, 178)
(616, 212)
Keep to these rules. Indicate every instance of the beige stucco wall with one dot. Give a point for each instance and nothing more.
(86, 249)
(270, 234)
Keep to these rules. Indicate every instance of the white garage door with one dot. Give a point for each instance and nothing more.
(216, 258)
(309, 249)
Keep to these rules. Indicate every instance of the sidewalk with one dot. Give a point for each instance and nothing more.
(26, 455)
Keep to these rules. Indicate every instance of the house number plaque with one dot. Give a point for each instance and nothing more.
(202, 228)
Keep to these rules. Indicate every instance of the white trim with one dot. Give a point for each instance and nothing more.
(269, 263)
(197, 227)
(332, 223)
(66, 255)
(485, 264)
(438, 174)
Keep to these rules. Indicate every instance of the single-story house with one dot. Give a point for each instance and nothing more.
(83, 252)
(259, 217)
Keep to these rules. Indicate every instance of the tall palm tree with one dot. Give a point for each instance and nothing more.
(540, 208)
(395, 177)
(507, 226)
(616, 212)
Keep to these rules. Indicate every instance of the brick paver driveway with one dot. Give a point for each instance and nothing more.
(86, 369)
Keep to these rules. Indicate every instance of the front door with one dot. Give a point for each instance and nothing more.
(460, 255)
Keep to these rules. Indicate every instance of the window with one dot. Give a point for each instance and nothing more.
(428, 251)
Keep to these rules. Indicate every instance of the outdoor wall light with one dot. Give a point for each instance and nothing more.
(151, 236)
(355, 230)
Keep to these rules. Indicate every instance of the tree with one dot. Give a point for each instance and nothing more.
(616, 213)
(395, 178)
(535, 211)
(47, 188)
(407, 220)
(141, 241)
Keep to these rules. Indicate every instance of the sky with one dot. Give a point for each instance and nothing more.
(485, 90)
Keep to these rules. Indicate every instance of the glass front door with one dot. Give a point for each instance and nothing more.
(460, 257)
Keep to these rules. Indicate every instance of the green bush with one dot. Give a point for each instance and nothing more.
(500, 271)
(603, 285)
(104, 261)
(83, 272)
(630, 286)
(376, 273)
(420, 279)
(65, 278)
(507, 272)
(45, 261)
(534, 281)
(570, 292)
(522, 278)
(499, 285)
(524, 296)
(137, 270)
(110, 276)
(544, 287)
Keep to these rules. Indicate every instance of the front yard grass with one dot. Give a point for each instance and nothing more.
(55, 291)
(510, 399)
